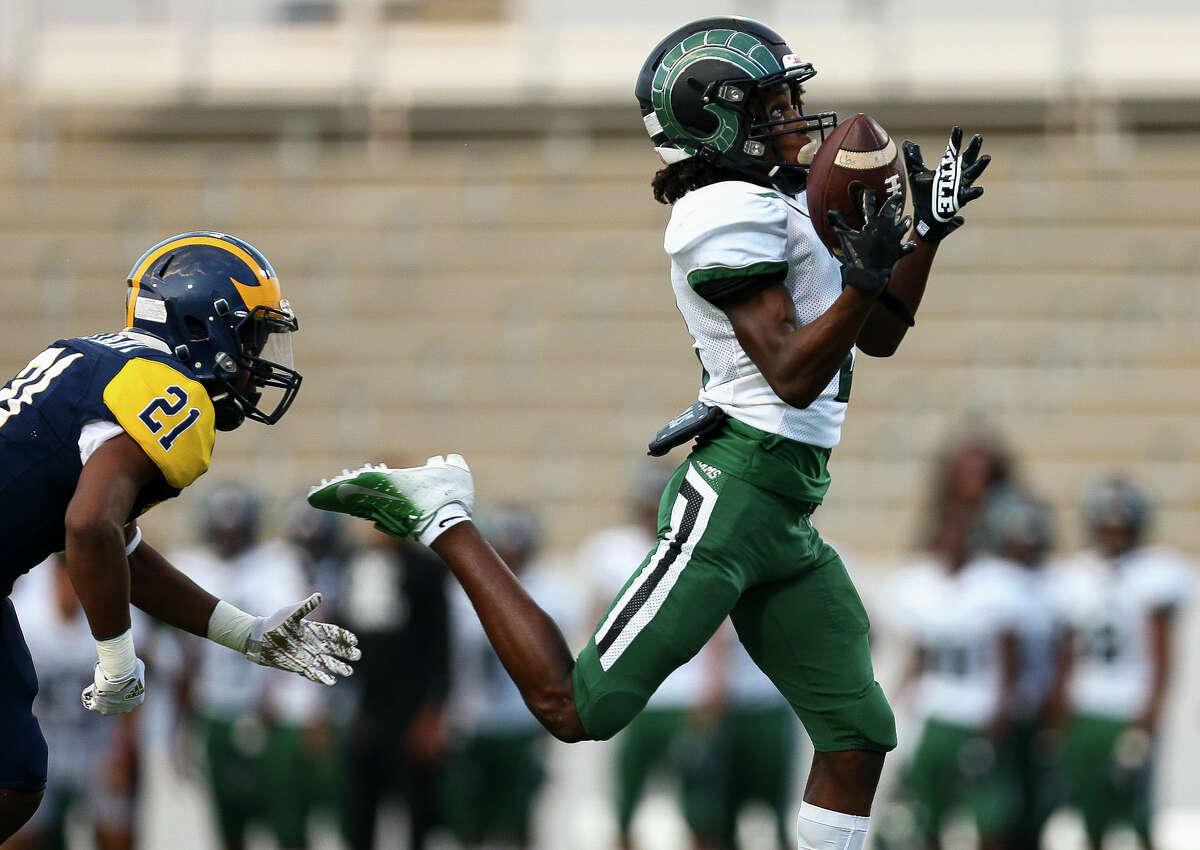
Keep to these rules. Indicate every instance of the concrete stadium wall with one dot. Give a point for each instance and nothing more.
(506, 296)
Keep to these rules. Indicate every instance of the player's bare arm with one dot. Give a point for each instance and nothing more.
(1009, 652)
(166, 594)
(95, 535)
(884, 329)
(937, 197)
(799, 362)
(1064, 665)
(1158, 627)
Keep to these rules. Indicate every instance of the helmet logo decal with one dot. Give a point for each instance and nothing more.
(259, 294)
(749, 57)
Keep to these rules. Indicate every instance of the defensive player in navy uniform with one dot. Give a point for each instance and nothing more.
(776, 321)
(94, 432)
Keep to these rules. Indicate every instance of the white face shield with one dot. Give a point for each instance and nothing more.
(278, 349)
(266, 340)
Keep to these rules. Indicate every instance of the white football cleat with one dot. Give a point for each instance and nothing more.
(403, 502)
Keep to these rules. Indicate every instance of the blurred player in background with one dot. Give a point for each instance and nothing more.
(251, 723)
(395, 596)
(97, 430)
(748, 756)
(776, 323)
(1119, 601)
(495, 760)
(319, 541)
(962, 613)
(93, 774)
(968, 472)
(1018, 529)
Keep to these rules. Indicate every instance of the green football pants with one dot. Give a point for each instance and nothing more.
(728, 548)
(1106, 791)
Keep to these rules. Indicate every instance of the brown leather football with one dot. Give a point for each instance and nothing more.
(859, 154)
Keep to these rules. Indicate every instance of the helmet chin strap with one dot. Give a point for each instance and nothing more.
(227, 410)
(789, 181)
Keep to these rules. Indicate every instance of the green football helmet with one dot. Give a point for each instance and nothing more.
(1116, 503)
(1015, 522)
(695, 90)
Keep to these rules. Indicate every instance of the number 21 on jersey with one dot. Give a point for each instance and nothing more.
(160, 412)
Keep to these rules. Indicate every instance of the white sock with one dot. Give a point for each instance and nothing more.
(444, 519)
(821, 829)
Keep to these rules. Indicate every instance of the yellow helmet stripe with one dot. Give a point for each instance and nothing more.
(266, 293)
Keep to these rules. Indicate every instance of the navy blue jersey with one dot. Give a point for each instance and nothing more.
(111, 380)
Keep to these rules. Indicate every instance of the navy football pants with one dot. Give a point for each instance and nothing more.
(22, 747)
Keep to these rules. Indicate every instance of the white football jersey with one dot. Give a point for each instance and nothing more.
(1108, 604)
(721, 235)
(958, 620)
(1037, 628)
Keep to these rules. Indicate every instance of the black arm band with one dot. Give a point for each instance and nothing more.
(726, 291)
(898, 307)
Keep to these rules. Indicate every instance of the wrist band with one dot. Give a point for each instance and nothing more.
(135, 542)
(117, 656)
(230, 626)
(898, 307)
(444, 518)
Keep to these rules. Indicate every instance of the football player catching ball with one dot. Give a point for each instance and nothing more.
(97, 430)
(777, 323)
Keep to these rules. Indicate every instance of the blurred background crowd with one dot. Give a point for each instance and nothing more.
(455, 194)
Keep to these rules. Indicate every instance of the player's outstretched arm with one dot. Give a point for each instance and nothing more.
(285, 640)
(1159, 625)
(433, 504)
(937, 197)
(885, 327)
(166, 594)
(108, 572)
(799, 362)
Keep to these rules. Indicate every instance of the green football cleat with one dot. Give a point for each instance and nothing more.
(401, 502)
(369, 494)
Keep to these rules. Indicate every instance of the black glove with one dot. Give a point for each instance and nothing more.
(937, 197)
(869, 254)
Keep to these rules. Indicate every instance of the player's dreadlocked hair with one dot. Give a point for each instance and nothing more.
(677, 179)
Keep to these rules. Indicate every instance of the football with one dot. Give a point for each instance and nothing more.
(856, 156)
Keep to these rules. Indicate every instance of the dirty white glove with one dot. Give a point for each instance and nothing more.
(105, 696)
(287, 641)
